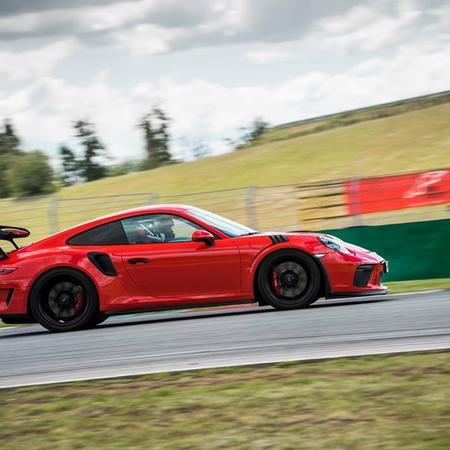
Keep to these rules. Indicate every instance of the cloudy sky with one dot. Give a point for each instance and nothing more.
(212, 64)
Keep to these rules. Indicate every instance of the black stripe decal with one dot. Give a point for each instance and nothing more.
(278, 238)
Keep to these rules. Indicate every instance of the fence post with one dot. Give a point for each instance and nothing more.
(53, 224)
(152, 198)
(250, 206)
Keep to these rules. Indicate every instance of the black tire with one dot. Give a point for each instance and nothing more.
(288, 279)
(97, 320)
(64, 300)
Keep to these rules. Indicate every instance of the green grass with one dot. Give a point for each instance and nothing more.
(415, 140)
(311, 126)
(396, 287)
(412, 141)
(392, 402)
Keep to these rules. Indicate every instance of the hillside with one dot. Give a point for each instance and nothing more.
(405, 142)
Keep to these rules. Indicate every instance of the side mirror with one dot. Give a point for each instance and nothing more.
(203, 236)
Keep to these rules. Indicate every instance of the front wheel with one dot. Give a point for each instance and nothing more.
(288, 279)
(97, 320)
(64, 300)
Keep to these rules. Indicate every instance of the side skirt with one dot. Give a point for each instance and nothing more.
(333, 295)
(117, 312)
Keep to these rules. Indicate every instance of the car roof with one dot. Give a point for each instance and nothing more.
(142, 210)
(79, 228)
(149, 209)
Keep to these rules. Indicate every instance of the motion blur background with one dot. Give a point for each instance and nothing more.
(281, 114)
(262, 111)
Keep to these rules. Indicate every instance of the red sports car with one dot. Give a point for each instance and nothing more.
(173, 256)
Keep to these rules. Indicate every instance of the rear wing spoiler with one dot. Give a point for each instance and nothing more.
(9, 234)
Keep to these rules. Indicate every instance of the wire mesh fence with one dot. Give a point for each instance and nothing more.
(305, 206)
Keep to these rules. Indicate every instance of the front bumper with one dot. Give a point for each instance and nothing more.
(354, 274)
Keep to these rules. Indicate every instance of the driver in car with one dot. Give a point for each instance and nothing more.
(163, 229)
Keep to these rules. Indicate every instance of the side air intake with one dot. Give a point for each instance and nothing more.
(103, 263)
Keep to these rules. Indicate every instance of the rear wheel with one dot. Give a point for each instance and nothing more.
(64, 300)
(288, 279)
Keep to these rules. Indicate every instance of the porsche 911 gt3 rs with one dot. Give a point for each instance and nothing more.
(173, 256)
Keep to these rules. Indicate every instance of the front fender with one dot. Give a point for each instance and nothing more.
(310, 247)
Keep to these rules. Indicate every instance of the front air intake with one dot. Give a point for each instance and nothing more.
(362, 275)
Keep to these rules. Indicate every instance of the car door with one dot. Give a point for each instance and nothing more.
(166, 265)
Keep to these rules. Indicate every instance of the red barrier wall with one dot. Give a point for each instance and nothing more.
(397, 192)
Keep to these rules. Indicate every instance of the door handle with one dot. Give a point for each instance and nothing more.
(138, 261)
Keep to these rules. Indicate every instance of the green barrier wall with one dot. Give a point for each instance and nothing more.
(415, 251)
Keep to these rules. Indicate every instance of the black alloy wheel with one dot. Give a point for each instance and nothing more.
(64, 300)
(288, 279)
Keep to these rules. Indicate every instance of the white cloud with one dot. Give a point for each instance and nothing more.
(148, 39)
(269, 55)
(162, 26)
(145, 26)
(204, 110)
(368, 27)
(83, 19)
(363, 28)
(114, 15)
(32, 64)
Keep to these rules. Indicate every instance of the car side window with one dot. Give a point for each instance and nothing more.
(158, 228)
(111, 233)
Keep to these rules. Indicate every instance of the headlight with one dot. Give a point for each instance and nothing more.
(334, 243)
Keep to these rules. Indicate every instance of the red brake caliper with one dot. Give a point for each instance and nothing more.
(79, 302)
(275, 282)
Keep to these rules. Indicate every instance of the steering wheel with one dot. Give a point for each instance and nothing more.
(150, 234)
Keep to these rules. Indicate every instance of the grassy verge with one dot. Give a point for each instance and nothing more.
(418, 285)
(399, 402)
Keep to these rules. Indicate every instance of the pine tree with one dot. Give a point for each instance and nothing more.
(70, 166)
(155, 126)
(9, 141)
(9, 149)
(90, 168)
(252, 133)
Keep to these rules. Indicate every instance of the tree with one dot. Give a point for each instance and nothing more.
(9, 141)
(257, 128)
(9, 150)
(30, 174)
(155, 126)
(70, 166)
(253, 132)
(90, 168)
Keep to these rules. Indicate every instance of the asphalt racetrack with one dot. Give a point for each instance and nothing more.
(131, 345)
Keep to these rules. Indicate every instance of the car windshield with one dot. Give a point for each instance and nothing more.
(226, 226)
